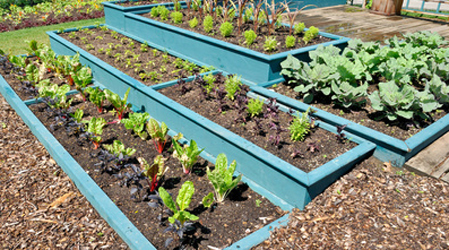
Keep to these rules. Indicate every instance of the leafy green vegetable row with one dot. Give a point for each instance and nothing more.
(411, 75)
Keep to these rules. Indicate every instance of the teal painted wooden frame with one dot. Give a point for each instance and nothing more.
(389, 149)
(251, 65)
(100, 201)
(115, 14)
(255, 163)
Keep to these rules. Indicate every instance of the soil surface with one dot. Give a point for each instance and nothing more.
(236, 38)
(318, 147)
(127, 55)
(367, 116)
(362, 210)
(213, 227)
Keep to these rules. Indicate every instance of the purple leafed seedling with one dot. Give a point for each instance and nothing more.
(313, 147)
(340, 135)
(297, 153)
(275, 139)
(272, 109)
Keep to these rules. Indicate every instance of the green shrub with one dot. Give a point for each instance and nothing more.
(310, 34)
(290, 41)
(299, 28)
(226, 29)
(176, 17)
(250, 37)
(5, 4)
(193, 23)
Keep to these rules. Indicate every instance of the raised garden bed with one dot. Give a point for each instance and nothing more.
(398, 138)
(216, 139)
(252, 65)
(81, 150)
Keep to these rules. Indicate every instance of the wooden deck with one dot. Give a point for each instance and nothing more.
(355, 22)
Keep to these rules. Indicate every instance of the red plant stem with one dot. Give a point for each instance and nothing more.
(96, 144)
(153, 185)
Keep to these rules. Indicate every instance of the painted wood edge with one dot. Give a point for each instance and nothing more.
(236, 48)
(429, 134)
(260, 235)
(358, 153)
(352, 127)
(102, 203)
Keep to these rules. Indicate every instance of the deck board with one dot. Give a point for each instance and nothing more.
(367, 26)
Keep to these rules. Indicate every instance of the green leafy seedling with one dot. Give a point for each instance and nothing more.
(119, 104)
(155, 172)
(136, 122)
(187, 155)
(222, 177)
(158, 133)
(95, 128)
(254, 106)
(300, 127)
(182, 201)
(118, 148)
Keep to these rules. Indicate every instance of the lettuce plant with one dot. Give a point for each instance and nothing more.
(300, 126)
(182, 202)
(193, 23)
(222, 177)
(310, 34)
(163, 12)
(270, 44)
(290, 42)
(209, 82)
(136, 122)
(118, 148)
(226, 29)
(158, 133)
(232, 86)
(208, 24)
(155, 172)
(97, 97)
(250, 37)
(255, 106)
(95, 130)
(299, 28)
(119, 104)
(176, 17)
(187, 155)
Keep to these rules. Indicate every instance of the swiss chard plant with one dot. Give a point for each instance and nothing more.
(158, 133)
(222, 177)
(97, 97)
(187, 154)
(55, 95)
(154, 172)
(95, 130)
(118, 148)
(81, 79)
(119, 104)
(179, 207)
(136, 122)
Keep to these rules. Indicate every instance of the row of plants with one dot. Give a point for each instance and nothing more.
(254, 25)
(405, 79)
(123, 163)
(16, 17)
(290, 136)
(136, 59)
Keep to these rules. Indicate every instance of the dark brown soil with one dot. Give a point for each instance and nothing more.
(401, 129)
(23, 89)
(238, 212)
(329, 147)
(131, 60)
(280, 33)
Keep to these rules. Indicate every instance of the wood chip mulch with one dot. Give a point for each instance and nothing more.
(40, 208)
(375, 206)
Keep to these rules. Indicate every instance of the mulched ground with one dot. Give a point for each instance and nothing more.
(372, 207)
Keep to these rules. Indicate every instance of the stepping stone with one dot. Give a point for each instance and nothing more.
(433, 160)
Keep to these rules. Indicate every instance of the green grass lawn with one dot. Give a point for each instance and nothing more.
(15, 42)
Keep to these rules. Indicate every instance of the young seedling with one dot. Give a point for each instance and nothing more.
(222, 177)
(97, 97)
(300, 126)
(95, 130)
(273, 12)
(209, 82)
(155, 172)
(119, 104)
(78, 115)
(250, 37)
(187, 155)
(136, 122)
(270, 44)
(226, 29)
(176, 17)
(56, 95)
(158, 133)
(193, 23)
(144, 47)
(290, 41)
(118, 149)
(232, 86)
(310, 34)
(182, 202)
(208, 23)
(255, 107)
(81, 79)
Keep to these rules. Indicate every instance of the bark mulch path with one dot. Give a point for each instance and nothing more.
(372, 207)
(40, 208)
